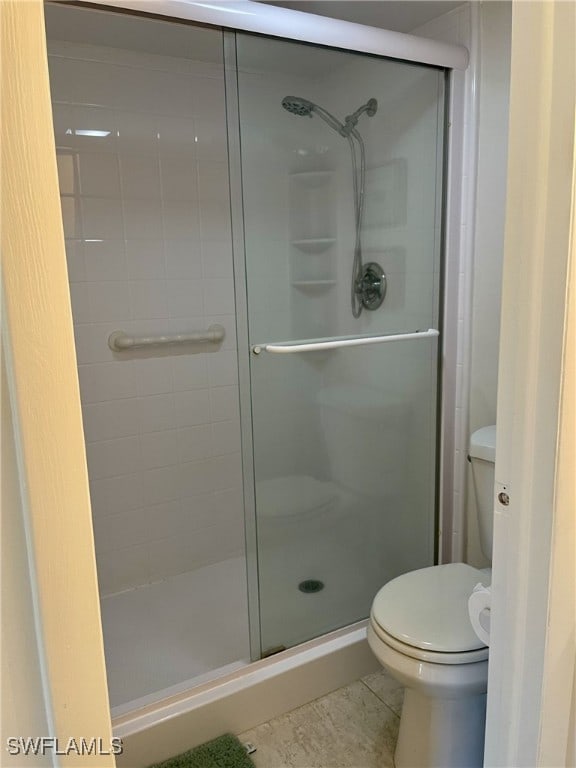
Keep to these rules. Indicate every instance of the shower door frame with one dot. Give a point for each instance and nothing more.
(242, 337)
(250, 16)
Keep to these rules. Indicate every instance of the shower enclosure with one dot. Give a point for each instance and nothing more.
(255, 281)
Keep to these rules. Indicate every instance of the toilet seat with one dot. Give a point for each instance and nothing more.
(431, 657)
(424, 614)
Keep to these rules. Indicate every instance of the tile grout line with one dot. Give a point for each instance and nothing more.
(249, 735)
(380, 699)
(319, 698)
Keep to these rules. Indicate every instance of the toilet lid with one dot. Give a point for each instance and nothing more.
(292, 495)
(428, 608)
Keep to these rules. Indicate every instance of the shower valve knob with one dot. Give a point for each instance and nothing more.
(371, 287)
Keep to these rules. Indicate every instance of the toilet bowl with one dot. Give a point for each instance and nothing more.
(420, 631)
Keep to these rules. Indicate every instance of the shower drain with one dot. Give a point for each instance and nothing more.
(311, 585)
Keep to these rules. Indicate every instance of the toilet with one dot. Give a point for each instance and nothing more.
(420, 631)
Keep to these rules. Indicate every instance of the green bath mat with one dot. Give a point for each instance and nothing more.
(223, 752)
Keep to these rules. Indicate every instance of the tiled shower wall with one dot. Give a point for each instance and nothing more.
(485, 30)
(141, 142)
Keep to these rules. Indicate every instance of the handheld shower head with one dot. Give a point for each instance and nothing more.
(367, 286)
(298, 106)
(371, 107)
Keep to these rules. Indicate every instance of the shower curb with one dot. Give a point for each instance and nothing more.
(246, 698)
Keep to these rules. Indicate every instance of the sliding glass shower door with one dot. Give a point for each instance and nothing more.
(253, 240)
(141, 142)
(341, 160)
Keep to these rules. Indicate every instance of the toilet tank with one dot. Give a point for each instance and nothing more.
(482, 454)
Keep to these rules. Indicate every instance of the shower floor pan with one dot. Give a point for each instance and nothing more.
(171, 635)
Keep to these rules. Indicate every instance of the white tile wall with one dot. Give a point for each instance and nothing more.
(495, 42)
(400, 230)
(146, 216)
(477, 184)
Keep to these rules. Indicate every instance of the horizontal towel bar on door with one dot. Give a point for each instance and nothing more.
(118, 341)
(286, 348)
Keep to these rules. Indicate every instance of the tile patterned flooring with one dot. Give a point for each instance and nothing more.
(353, 727)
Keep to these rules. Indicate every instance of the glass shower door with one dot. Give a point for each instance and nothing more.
(341, 159)
(140, 128)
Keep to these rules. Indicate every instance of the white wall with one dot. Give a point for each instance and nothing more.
(146, 218)
(495, 40)
(483, 303)
(533, 619)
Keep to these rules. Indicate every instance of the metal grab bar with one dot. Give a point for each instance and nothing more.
(118, 341)
(345, 341)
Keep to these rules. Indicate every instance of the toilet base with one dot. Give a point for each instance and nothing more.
(441, 733)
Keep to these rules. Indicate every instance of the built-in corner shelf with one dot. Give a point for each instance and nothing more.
(312, 178)
(312, 229)
(313, 284)
(314, 244)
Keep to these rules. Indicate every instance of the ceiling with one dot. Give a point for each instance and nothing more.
(397, 15)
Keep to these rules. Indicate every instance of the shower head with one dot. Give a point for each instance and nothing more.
(298, 106)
